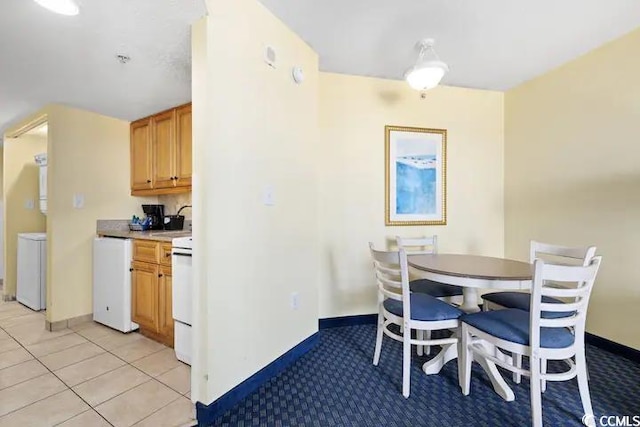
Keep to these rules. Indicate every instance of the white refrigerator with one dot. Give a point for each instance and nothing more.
(32, 270)
(112, 283)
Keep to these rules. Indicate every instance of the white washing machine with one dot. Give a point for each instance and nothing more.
(32, 270)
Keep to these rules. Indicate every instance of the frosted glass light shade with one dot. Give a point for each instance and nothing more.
(63, 7)
(426, 75)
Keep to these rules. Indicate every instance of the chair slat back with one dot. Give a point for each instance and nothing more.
(392, 274)
(426, 245)
(578, 281)
(575, 255)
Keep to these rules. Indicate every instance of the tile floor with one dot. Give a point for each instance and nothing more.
(88, 375)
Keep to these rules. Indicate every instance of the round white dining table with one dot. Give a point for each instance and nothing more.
(472, 272)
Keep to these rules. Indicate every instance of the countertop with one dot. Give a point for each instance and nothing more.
(157, 235)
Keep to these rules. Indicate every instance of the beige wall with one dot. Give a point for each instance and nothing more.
(1, 215)
(573, 175)
(259, 129)
(353, 113)
(20, 181)
(89, 155)
(200, 64)
(173, 202)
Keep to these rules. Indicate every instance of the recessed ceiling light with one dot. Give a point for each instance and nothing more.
(63, 7)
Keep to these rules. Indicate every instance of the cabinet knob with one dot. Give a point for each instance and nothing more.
(175, 177)
(131, 269)
(168, 254)
(148, 181)
(159, 275)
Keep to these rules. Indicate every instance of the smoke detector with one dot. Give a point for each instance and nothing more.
(123, 59)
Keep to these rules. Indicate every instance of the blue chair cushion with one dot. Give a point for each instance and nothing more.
(513, 325)
(522, 301)
(435, 289)
(424, 308)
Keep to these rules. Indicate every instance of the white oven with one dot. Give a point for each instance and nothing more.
(181, 299)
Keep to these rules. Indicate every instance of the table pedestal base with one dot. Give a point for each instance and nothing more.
(450, 352)
(470, 300)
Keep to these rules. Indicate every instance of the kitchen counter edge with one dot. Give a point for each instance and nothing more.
(143, 235)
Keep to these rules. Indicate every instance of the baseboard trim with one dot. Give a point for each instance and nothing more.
(337, 322)
(613, 347)
(67, 323)
(208, 414)
(8, 298)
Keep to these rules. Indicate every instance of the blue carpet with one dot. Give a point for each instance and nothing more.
(336, 385)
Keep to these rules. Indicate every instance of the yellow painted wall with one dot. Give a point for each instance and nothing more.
(88, 154)
(573, 174)
(20, 181)
(353, 113)
(261, 129)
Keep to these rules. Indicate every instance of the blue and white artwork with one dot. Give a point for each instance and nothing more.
(415, 176)
(416, 184)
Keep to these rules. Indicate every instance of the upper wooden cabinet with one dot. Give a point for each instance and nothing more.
(183, 146)
(141, 167)
(164, 146)
(166, 152)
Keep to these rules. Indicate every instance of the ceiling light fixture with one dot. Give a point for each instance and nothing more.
(63, 7)
(428, 70)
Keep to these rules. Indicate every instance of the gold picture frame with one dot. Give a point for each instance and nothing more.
(415, 176)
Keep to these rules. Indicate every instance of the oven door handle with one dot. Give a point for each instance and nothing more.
(176, 253)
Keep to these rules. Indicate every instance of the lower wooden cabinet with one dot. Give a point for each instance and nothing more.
(144, 297)
(165, 321)
(151, 291)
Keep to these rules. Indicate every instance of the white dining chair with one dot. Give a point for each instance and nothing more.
(578, 255)
(397, 305)
(533, 335)
(426, 245)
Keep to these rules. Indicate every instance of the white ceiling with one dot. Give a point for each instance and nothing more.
(491, 44)
(45, 57)
(488, 44)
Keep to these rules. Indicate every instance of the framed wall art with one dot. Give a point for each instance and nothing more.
(415, 176)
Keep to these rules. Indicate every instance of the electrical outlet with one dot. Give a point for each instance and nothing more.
(295, 301)
(29, 204)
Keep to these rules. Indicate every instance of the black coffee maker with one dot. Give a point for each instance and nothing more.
(156, 213)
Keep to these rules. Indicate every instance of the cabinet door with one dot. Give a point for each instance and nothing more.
(165, 307)
(164, 141)
(183, 146)
(144, 295)
(141, 175)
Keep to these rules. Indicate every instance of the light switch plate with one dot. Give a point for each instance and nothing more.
(269, 197)
(78, 200)
(29, 204)
(295, 301)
